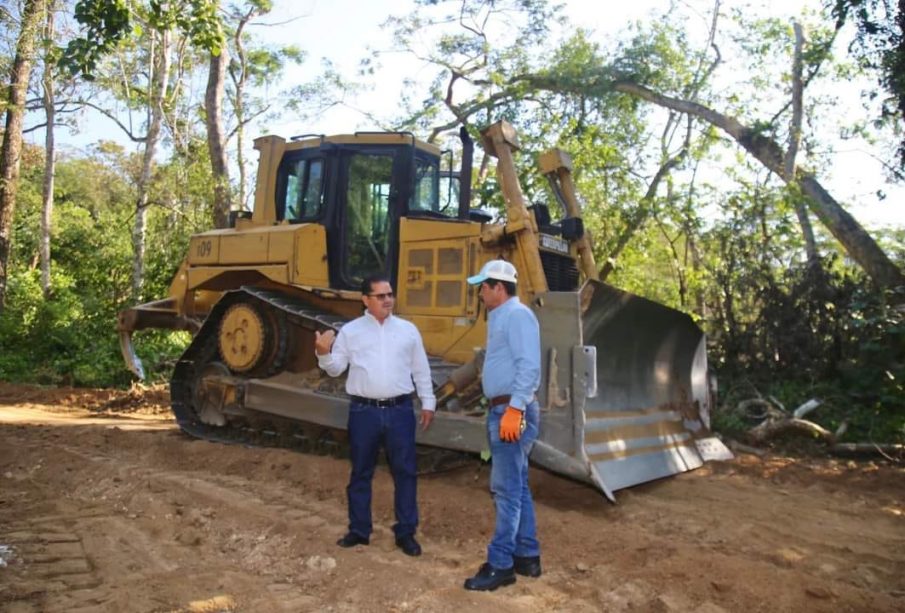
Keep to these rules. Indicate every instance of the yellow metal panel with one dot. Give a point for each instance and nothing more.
(388, 138)
(310, 256)
(204, 249)
(280, 243)
(442, 334)
(423, 289)
(433, 266)
(271, 148)
(435, 259)
(245, 248)
(430, 229)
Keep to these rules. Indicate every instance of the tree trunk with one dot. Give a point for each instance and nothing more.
(49, 160)
(160, 66)
(801, 210)
(216, 139)
(11, 150)
(240, 77)
(640, 217)
(856, 241)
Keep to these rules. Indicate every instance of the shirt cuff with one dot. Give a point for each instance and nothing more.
(429, 405)
(518, 403)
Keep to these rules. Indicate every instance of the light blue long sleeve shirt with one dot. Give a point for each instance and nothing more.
(512, 359)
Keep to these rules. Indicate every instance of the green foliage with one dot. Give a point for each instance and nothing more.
(70, 337)
(806, 333)
(198, 19)
(880, 45)
(106, 24)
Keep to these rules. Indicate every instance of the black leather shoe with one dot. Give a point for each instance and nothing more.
(490, 578)
(351, 540)
(528, 566)
(408, 545)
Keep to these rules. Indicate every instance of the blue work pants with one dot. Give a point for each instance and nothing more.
(516, 527)
(394, 428)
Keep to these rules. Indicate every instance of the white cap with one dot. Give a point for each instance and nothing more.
(501, 270)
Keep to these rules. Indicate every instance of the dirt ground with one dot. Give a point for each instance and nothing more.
(106, 506)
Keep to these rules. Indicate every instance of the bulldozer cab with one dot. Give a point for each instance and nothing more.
(358, 191)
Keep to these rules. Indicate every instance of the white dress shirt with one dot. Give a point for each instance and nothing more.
(383, 359)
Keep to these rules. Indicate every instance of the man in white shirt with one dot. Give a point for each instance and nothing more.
(387, 362)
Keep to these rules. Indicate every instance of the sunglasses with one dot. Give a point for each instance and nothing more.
(382, 296)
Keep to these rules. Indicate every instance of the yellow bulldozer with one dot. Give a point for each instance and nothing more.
(624, 393)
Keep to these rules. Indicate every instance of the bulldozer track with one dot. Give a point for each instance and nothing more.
(263, 429)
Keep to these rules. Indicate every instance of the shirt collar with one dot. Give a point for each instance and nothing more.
(504, 306)
(374, 319)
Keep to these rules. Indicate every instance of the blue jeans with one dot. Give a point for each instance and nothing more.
(394, 428)
(516, 527)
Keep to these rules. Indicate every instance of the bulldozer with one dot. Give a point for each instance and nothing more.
(624, 395)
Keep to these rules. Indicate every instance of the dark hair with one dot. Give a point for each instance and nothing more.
(368, 284)
(509, 285)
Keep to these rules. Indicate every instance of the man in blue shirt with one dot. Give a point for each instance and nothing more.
(511, 375)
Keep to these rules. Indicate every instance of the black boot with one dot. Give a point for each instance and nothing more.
(528, 566)
(408, 545)
(490, 578)
(351, 540)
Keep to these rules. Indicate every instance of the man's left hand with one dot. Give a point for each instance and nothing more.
(426, 418)
(511, 425)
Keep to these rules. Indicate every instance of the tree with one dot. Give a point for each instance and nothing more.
(107, 25)
(49, 102)
(254, 66)
(880, 44)
(216, 136)
(160, 41)
(10, 152)
(857, 242)
(501, 78)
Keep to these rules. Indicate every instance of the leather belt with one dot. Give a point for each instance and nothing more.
(383, 403)
(498, 400)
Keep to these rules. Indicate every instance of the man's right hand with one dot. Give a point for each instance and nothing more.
(323, 342)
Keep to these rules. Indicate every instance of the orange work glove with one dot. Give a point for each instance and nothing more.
(511, 425)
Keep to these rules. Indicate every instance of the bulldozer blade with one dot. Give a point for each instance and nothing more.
(133, 362)
(625, 391)
(653, 399)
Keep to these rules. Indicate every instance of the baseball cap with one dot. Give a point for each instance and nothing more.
(501, 270)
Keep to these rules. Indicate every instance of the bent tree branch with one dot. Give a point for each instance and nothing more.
(854, 238)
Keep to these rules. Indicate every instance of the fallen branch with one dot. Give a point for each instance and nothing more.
(889, 451)
(770, 428)
(806, 408)
(737, 447)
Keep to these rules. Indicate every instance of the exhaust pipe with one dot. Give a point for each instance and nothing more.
(465, 173)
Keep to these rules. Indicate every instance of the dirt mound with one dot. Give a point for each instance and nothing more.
(145, 399)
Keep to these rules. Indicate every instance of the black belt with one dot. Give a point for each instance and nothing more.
(383, 403)
(498, 400)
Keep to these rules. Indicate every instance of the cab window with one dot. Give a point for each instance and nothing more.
(367, 224)
(427, 197)
(303, 199)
